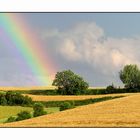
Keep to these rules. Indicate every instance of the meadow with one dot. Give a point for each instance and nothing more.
(7, 111)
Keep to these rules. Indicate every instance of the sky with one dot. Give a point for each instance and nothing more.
(94, 45)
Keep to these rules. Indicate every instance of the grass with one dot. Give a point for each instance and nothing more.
(121, 112)
(7, 111)
(52, 109)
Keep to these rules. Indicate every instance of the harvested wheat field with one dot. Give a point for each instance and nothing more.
(68, 97)
(29, 88)
(122, 112)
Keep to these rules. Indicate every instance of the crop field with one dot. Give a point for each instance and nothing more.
(38, 88)
(7, 111)
(29, 88)
(70, 97)
(121, 112)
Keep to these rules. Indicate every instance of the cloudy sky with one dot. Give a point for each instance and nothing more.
(94, 45)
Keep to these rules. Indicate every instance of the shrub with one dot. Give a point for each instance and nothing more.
(16, 99)
(3, 100)
(94, 92)
(11, 119)
(85, 92)
(110, 89)
(23, 115)
(27, 100)
(74, 103)
(42, 92)
(38, 109)
(65, 105)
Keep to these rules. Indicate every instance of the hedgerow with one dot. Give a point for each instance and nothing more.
(11, 99)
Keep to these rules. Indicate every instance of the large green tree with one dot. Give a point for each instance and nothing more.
(69, 83)
(130, 76)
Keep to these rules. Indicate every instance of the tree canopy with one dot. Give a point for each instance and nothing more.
(69, 83)
(130, 76)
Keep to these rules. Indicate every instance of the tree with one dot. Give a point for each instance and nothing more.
(130, 76)
(69, 83)
(38, 109)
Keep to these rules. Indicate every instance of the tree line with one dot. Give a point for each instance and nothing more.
(70, 83)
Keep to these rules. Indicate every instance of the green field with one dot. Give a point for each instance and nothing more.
(7, 111)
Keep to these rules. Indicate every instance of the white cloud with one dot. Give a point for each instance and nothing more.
(87, 43)
(69, 50)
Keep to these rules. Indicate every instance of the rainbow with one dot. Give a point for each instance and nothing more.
(28, 45)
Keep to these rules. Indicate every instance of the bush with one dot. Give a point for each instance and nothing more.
(94, 92)
(11, 98)
(86, 92)
(23, 115)
(3, 100)
(74, 103)
(26, 100)
(110, 89)
(11, 119)
(65, 105)
(38, 109)
(42, 92)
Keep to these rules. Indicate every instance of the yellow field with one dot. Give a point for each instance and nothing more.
(121, 112)
(39, 88)
(68, 97)
(29, 88)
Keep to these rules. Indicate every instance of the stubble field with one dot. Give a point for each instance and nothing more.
(70, 97)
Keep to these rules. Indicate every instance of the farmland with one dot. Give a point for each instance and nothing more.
(69, 70)
(112, 113)
(28, 88)
(72, 97)
(121, 112)
(7, 111)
